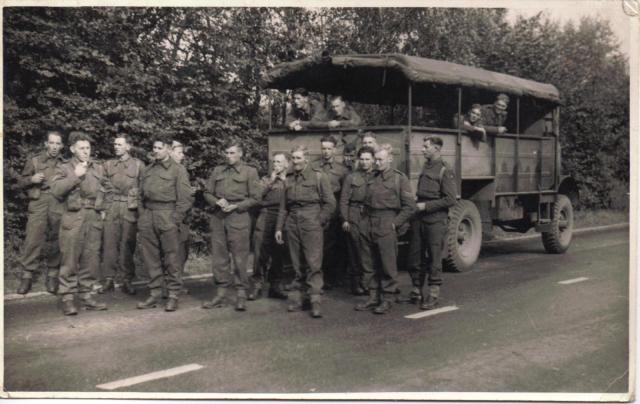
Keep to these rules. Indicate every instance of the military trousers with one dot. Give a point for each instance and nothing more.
(120, 231)
(80, 243)
(230, 235)
(334, 254)
(183, 246)
(43, 227)
(268, 260)
(379, 251)
(159, 239)
(305, 239)
(426, 249)
(354, 245)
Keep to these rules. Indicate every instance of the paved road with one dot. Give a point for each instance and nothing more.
(516, 329)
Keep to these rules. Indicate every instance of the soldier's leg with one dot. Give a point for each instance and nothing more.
(90, 254)
(387, 247)
(71, 244)
(128, 245)
(53, 245)
(222, 274)
(112, 242)
(436, 234)
(311, 237)
(294, 243)
(260, 253)
(415, 260)
(169, 240)
(35, 235)
(238, 234)
(150, 251)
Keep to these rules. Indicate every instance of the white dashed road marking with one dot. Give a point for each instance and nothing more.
(150, 376)
(575, 280)
(428, 313)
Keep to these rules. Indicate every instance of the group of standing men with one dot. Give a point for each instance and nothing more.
(101, 209)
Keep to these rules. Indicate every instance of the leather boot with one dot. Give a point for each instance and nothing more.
(315, 310)
(151, 302)
(69, 308)
(218, 301)
(276, 293)
(107, 286)
(89, 303)
(295, 302)
(383, 308)
(372, 302)
(172, 304)
(52, 284)
(128, 288)
(255, 292)
(241, 301)
(25, 286)
(431, 302)
(356, 287)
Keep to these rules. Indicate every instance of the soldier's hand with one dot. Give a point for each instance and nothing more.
(421, 205)
(81, 169)
(37, 178)
(333, 124)
(346, 226)
(103, 215)
(293, 125)
(279, 238)
(230, 208)
(222, 203)
(502, 129)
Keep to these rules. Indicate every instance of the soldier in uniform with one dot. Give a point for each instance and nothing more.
(436, 194)
(43, 214)
(307, 205)
(349, 157)
(369, 140)
(264, 242)
(305, 112)
(177, 154)
(494, 115)
(334, 259)
(471, 122)
(81, 184)
(165, 195)
(351, 200)
(232, 189)
(120, 226)
(341, 115)
(388, 204)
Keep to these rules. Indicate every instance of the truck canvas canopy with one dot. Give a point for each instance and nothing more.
(384, 78)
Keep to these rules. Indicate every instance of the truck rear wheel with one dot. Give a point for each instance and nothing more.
(558, 239)
(464, 237)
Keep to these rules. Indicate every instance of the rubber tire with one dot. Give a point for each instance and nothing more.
(557, 241)
(460, 258)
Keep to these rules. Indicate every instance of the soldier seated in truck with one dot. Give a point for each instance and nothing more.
(472, 122)
(305, 112)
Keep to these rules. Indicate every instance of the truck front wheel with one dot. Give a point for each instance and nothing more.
(558, 239)
(464, 236)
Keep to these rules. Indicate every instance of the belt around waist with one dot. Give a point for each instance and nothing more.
(159, 205)
(305, 206)
(120, 198)
(378, 212)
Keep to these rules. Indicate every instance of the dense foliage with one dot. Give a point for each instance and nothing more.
(195, 73)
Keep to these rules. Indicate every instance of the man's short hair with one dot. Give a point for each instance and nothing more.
(368, 134)
(283, 154)
(502, 97)
(77, 136)
(475, 106)
(57, 132)
(366, 149)
(301, 91)
(329, 138)
(300, 148)
(338, 97)
(233, 143)
(349, 148)
(434, 140)
(127, 138)
(176, 144)
(387, 147)
(162, 138)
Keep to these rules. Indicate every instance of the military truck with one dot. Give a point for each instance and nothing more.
(513, 180)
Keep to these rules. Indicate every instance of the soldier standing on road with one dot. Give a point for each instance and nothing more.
(351, 203)
(388, 205)
(494, 115)
(177, 154)
(81, 184)
(264, 242)
(436, 194)
(120, 226)
(43, 215)
(334, 259)
(305, 112)
(307, 205)
(232, 189)
(165, 194)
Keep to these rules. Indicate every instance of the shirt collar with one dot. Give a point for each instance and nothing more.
(305, 172)
(235, 167)
(164, 163)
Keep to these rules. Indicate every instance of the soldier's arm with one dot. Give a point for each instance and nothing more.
(318, 119)
(255, 194)
(184, 199)
(407, 202)
(447, 193)
(210, 189)
(104, 197)
(24, 180)
(354, 119)
(345, 194)
(63, 182)
(282, 212)
(327, 199)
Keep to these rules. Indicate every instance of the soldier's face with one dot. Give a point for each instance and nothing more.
(328, 150)
(501, 107)
(383, 160)
(429, 150)
(348, 158)
(300, 101)
(474, 115)
(177, 154)
(279, 163)
(81, 150)
(120, 146)
(53, 144)
(369, 141)
(299, 160)
(233, 155)
(366, 161)
(338, 106)
(160, 150)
